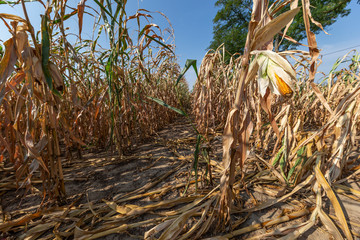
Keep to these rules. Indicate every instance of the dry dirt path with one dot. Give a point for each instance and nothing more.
(160, 162)
(122, 198)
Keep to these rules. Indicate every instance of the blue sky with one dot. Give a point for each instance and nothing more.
(344, 33)
(192, 23)
(193, 26)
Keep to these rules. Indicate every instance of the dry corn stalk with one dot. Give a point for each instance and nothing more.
(59, 95)
(316, 120)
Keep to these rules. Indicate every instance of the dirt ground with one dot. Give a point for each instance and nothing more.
(162, 162)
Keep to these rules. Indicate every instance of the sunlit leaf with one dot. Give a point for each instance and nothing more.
(188, 64)
(161, 102)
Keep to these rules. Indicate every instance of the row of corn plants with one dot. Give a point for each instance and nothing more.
(58, 94)
(304, 131)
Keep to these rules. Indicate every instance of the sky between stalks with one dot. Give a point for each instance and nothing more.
(193, 28)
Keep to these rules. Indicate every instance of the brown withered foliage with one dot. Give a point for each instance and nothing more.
(55, 93)
(284, 135)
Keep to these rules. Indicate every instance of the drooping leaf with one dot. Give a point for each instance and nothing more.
(161, 102)
(7, 65)
(188, 64)
(66, 16)
(80, 12)
(159, 42)
(267, 32)
(12, 17)
(8, 61)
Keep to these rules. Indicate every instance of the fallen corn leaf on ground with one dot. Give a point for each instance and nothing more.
(112, 198)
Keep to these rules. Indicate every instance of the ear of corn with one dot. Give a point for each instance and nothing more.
(294, 116)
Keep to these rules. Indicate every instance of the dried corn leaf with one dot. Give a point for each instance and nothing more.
(337, 207)
(268, 31)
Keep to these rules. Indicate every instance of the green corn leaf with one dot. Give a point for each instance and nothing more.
(277, 157)
(196, 159)
(282, 164)
(67, 16)
(188, 64)
(300, 158)
(298, 161)
(162, 44)
(45, 50)
(105, 10)
(161, 102)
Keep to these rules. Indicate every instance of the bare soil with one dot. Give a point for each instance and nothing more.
(100, 176)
